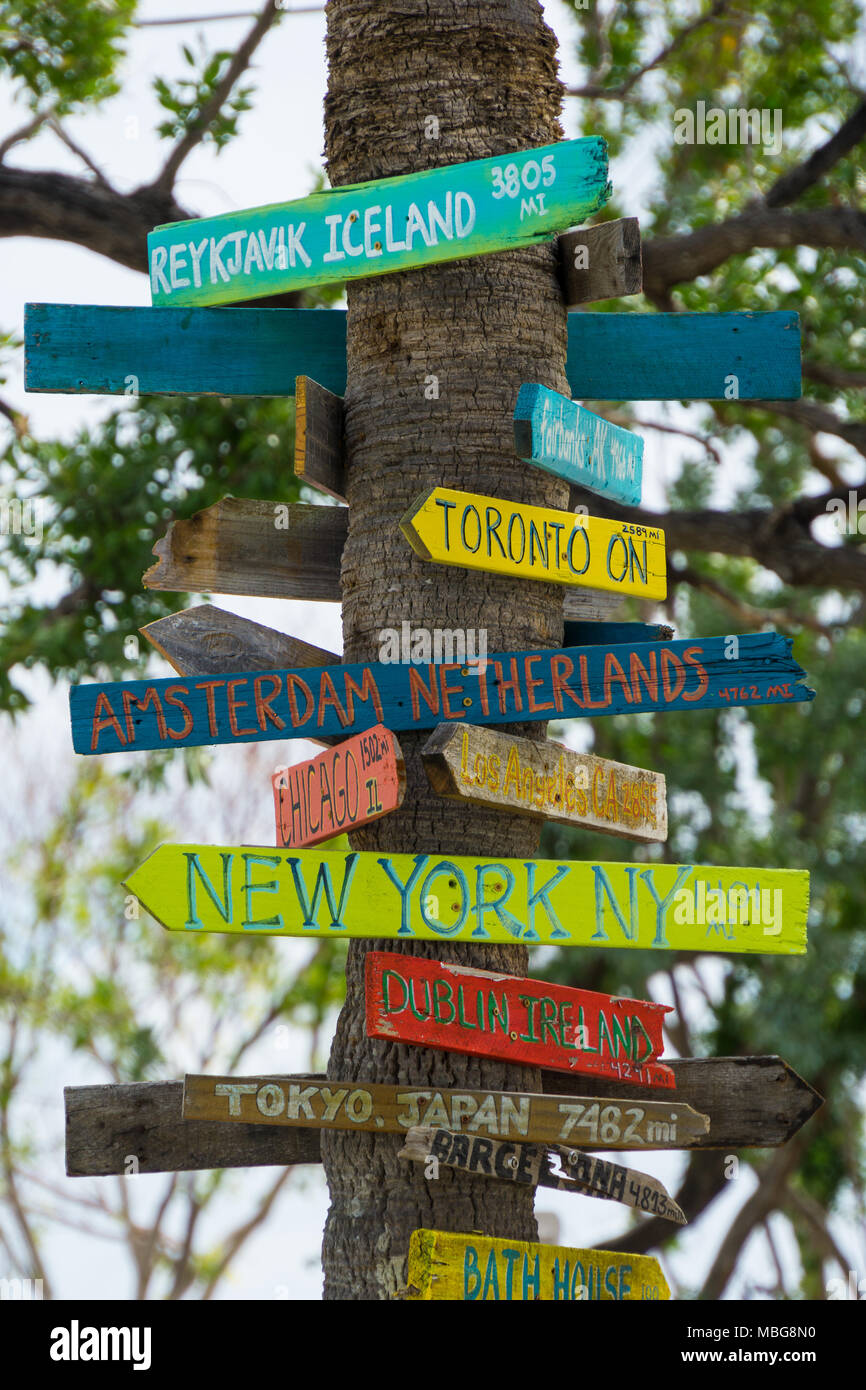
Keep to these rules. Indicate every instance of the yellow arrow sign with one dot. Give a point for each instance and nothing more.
(462, 1268)
(487, 533)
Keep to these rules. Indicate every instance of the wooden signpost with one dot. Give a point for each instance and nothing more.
(88, 348)
(463, 1268)
(453, 1007)
(752, 1102)
(306, 1101)
(534, 1165)
(572, 683)
(319, 451)
(263, 549)
(367, 894)
(374, 228)
(487, 533)
(357, 781)
(239, 682)
(563, 438)
(546, 780)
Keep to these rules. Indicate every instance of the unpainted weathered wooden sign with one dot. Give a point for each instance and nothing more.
(461, 1009)
(206, 640)
(611, 1181)
(336, 701)
(366, 893)
(752, 1102)
(552, 1165)
(385, 225)
(355, 782)
(241, 545)
(560, 436)
(511, 538)
(547, 781)
(463, 1268)
(351, 1105)
(600, 262)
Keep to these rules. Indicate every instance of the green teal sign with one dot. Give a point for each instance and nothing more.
(374, 228)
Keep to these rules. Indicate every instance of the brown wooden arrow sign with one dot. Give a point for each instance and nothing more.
(600, 262)
(752, 1102)
(365, 1106)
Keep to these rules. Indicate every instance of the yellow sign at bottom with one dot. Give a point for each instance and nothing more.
(466, 1268)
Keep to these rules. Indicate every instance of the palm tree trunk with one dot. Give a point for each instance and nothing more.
(487, 72)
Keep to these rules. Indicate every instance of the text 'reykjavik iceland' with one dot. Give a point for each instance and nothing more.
(385, 225)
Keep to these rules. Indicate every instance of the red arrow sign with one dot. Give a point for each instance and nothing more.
(348, 785)
(410, 999)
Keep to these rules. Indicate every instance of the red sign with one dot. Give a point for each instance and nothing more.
(344, 787)
(410, 999)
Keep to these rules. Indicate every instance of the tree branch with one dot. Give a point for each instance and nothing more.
(819, 419)
(777, 538)
(599, 27)
(19, 422)
(671, 260)
(211, 109)
(594, 91)
(789, 187)
(219, 18)
(81, 154)
(780, 1273)
(239, 1237)
(813, 1213)
(747, 612)
(707, 444)
(183, 1271)
(35, 202)
(766, 1197)
(834, 376)
(24, 132)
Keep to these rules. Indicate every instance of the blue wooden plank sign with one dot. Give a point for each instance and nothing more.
(580, 634)
(561, 437)
(87, 348)
(374, 228)
(746, 356)
(110, 350)
(571, 683)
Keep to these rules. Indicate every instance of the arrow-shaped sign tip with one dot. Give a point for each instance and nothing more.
(410, 529)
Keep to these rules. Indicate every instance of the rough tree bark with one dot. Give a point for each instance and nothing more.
(487, 71)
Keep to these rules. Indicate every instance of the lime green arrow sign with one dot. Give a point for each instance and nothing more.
(313, 892)
(372, 228)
